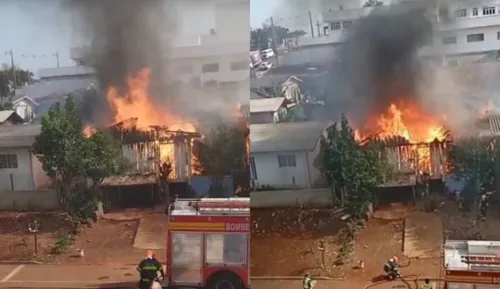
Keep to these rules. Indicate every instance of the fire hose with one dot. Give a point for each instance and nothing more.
(407, 281)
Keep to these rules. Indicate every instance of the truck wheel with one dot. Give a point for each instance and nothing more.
(225, 280)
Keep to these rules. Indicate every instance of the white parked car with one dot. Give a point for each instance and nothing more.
(265, 66)
(267, 53)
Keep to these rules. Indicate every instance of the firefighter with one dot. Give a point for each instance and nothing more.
(483, 205)
(307, 281)
(427, 284)
(148, 270)
(391, 267)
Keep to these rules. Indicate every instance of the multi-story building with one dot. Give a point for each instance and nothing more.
(211, 51)
(463, 30)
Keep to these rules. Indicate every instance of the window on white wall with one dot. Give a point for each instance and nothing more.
(461, 13)
(489, 10)
(475, 37)
(498, 35)
(210, 67)
(475, 12)
(8, 161)
(239, 65)
(253, 169)
(335, 26)
(449, 40)
(347, 24)
(287, 161)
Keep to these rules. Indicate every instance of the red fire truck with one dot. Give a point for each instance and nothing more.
(472, 264)
(208, 243)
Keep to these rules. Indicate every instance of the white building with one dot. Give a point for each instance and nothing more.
(20, 170)
(465, 30)
(282, 155)
(267, 110)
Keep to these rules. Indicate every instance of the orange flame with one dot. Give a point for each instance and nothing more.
(408, 122)
(136, 103)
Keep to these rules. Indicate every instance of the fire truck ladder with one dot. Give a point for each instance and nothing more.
(215, 206)
(481, 260)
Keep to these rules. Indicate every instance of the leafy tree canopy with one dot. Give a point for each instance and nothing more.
(65, 153)
(8, 85)
(352, 169)
(373, 3)
(261, 38)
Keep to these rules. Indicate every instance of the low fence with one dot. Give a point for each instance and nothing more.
(291, 198)
(28, 200)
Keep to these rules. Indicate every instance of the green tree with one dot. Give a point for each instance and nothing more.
(472, 162)
(353, 170)
(373, 3)
(66, 154)
(8, 85)
(224, 152)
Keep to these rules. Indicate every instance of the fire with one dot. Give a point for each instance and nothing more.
(407, 121)
(411, 123)
(88, 131)
(136, 103)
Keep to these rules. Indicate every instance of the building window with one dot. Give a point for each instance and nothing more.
(195, 81)
(211, 83)
(184, 69)
(452, 62)
(475, 12)
(461, 13)
(346, 24)
(8, 161)
(335, 25)
(253, 169)
(475, 37)
(498, 35)
(210, 67)
(286, 161)
(239, 65)
(489, 10)
(449, 40)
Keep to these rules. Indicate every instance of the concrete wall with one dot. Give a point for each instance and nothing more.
(291, 198)
(28, 175)
(31, 200)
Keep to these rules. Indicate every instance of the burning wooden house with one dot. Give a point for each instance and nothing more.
(149, 152)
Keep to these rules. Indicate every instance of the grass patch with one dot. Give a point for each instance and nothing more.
(62, 244)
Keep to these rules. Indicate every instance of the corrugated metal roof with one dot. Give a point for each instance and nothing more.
(6, 114)
(494, 121)
(48, 87)
(266, 104)
(65, 71)
(130, 180)
(285, 136)
(22, 135)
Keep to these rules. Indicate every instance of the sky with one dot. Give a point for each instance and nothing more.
(34, 31)
(31, 30)
(260, 10)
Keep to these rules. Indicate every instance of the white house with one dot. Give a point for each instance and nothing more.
(25, 107)
(282, 154)
(267, 110)
(19, 168)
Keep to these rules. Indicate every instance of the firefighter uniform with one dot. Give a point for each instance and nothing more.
(307, 282)
(148, 269)
(426, 284)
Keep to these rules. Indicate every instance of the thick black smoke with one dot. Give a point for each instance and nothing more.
(125, 36)
(377, 65)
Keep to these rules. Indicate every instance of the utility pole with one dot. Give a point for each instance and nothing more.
(57, 58)
(13, 67)
(311, 24)
(273, 31)
(317, 26)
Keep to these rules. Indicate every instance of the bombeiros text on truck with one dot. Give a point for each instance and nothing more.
(208, 243)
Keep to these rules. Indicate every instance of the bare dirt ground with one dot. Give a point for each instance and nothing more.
(104, 242)
(15, 235)
(280, 246)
